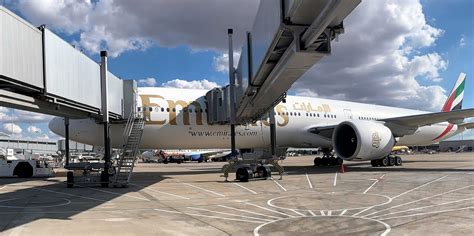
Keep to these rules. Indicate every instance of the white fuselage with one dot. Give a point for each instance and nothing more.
(169, 126)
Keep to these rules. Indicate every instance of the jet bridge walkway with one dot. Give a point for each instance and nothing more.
(288, 37)
(41, 72)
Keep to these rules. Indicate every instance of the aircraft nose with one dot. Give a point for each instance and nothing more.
(56, 125)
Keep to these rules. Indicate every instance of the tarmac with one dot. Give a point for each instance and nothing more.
(428, 195)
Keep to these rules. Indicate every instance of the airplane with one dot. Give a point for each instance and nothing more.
(177, 119)
(182, 155)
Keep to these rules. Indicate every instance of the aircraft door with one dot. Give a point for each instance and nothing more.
(348, 114)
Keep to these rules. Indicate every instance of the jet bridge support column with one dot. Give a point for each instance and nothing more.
(105, 118)
(66, 131)
(232, 93)
(272, 133)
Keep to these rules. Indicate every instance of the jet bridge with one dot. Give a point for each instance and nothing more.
(41, 72)
(287, 39)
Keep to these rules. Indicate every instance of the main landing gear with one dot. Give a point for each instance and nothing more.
(328, 159)
(390, 160)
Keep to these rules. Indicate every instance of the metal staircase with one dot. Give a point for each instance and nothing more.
(132, 136)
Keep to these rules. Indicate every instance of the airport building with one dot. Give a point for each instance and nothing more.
(30, 145)
(456, 145)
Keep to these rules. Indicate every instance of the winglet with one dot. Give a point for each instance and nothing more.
(456, 96)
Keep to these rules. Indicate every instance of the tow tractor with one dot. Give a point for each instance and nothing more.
(10, 166)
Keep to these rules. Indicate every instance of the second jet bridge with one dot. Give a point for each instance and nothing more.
(288, 37)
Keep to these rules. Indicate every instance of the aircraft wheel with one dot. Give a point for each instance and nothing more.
(398, 161)
(317, 161)
(265, 170)
(324, 161)
(392, 160)
(243, 174)
(384, 162)
(374, 163)
(70, 179)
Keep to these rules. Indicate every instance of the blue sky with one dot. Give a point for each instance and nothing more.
(176, 50)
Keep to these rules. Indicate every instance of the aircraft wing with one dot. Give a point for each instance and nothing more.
(405, 125)
(432, 118)
(469, 125)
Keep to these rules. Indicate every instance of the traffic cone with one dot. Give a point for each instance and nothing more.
(342, 168)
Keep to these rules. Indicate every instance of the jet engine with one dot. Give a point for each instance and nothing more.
(362, 140)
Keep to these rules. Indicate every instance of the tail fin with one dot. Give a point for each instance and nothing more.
(454, 101)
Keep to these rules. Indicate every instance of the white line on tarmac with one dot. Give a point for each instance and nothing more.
(413, 189)
(264, 208)
(335, 180)
(376, 181)
(4, 186)
(114, 193)
(299, 213)
(158, 191)
(251, 212)
(250, 190)
(329, 213)
(214, 217)
(343, 212)
(322, 213)
(419, 208)
(427, 213)
(68, 194)
(206, 190)
(311, 212)
(309, 181)
(437, 195)
(229, 214)
(279, 185)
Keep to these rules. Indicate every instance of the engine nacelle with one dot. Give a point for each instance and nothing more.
(362, 140)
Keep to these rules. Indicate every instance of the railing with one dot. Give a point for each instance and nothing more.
(129, 125)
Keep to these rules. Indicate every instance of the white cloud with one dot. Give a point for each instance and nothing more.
(11, 128)
(221, 63)
(123, 25)
(377, 60)
(148, 82)
(194, 84)
(43, 137)
(34, 130)
(462, 41)
(20, 116)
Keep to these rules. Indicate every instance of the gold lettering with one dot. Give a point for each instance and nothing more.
(172, 105)
(197, 110)
(281, 110)
(147, 114)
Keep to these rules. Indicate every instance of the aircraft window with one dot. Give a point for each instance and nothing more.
(139, 109)
(205, 110)
(174, 109)
(185, 110)
(334, 116)
(324, 115)
(200, 110)
(190, 110)
(162, 109)
(299, 114)
(150, 109)
(318, 114)
(278, 113)
(291, 113)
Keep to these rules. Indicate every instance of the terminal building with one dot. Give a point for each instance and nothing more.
(456, 145)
